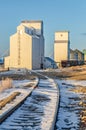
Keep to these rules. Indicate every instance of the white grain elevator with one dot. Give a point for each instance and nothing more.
(61, 46)
(26, 46)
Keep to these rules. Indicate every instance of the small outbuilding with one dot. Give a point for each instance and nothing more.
(49, 63)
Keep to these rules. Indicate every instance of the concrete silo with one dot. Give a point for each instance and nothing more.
(61, 46)
(26, 46)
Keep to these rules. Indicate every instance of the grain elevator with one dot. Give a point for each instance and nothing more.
(26, 46)
(61, 46)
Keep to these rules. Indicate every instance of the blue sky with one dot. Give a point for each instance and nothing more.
(57, 15)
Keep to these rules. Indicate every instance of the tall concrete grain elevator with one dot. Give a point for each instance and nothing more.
(26, 46)
(61, 46)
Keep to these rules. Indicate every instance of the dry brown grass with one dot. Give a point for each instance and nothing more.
(5, 84)
(79, 89)
(83, 117)
(81, 104)
(73, 73)
(77, 72)
(8, 99)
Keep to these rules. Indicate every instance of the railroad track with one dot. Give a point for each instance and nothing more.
(35, 111)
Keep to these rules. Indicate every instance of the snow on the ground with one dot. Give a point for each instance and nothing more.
(50, 108)
(18, 86)
(68, 115)
(49, 70)
(76, 82)
(14, 71)
(37, 112)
